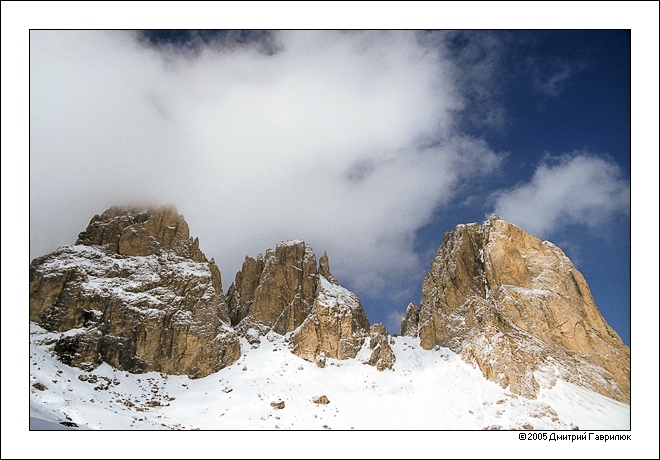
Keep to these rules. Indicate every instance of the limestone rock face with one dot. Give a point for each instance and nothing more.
(277, 292)
(240, 295)
(135, 292)
(141, 232)
(286, 293)
(516, 307)
(382, 355)
(324, 268)
(410, 323)
(337, 326)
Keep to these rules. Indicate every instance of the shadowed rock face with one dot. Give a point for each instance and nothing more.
(517, 308)
(135, 292)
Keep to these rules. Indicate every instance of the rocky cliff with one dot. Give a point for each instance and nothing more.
(276, 291)
(516, 308)
(286, 292)
(135, 291)
(336, 328)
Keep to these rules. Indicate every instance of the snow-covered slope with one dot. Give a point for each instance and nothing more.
(433, 390)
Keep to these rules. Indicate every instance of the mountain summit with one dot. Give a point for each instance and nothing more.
(136, 292)
(516, 308)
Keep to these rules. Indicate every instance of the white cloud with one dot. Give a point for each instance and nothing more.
(580, 188)
(346, 140)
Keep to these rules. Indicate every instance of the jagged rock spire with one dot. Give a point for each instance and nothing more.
(324, 268)
(410, 323)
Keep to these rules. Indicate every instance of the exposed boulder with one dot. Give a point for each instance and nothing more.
(410, 323)
(135, 292)
(382, 355)
(323, 399)
(336, 327)
(277, 404)
(516, 307)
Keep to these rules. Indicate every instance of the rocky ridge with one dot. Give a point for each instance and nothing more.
(382, 355)
(336, 328)
(137, 292)
(410, 322)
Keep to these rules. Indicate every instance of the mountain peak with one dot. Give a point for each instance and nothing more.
(141, 231)
(135, 292)
(515, 307)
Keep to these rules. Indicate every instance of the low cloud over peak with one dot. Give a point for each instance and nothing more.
(345, 139)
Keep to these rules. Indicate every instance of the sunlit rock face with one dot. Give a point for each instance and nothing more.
(135, 291)
(516, 308)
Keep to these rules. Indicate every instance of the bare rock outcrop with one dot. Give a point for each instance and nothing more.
(410, 322)
(323, 399)
(135, 291)
(337, 326)
(240, 295)
(141, 232)
(516, 307)
(275, 292)
(285, 292)
(324, 268)
(382, 355)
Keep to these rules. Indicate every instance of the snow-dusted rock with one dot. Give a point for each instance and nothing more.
(517, 308)
(323, 399)
(336, 327)
(382, 355)
(285, 292)
(135, 292)
(410, 322)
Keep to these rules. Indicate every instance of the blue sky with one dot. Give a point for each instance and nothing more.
(370, 145)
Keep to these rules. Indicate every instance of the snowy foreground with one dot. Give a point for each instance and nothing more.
(428, 390)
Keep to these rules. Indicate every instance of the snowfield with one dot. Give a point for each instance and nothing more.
(428, 390)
